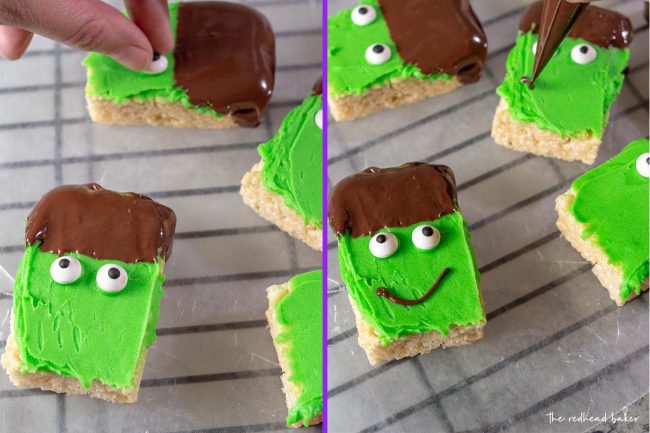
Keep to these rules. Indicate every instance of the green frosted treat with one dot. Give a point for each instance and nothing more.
(87, 292)
(406, 257)
(611, 204)
(296, 320)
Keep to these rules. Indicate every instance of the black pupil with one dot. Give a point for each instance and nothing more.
(647, 160)
(427, 231)
(114, 273)
(156, 56)
(64, 263)
(584, 49)
(363, 11)
(381, 239)
(378, 49)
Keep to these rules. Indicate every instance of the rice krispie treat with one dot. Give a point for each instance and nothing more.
(295, 317)
(285, 187)
(406, 260)
(87, 292)
(387, 53)
(219, 75)
(605, 217)
(566, 112)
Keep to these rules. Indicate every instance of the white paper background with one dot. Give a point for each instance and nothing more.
(213, 366)
(554, 341)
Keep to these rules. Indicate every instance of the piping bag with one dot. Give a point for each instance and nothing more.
(558, 16)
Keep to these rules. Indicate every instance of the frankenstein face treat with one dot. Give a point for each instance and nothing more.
(387, 53)
(285, 188)
(87, 292)
(220, 74)
(566, 112)
(295, 318)
(407, 261)
(605, 217)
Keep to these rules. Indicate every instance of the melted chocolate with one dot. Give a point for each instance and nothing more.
(438, 36)
(596, 25)
(401, 301)
(225, 58)
(318, 87)
(376, 198)
(102, 224)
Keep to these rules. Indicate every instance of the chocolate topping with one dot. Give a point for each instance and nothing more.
(382, 291)
(438, 36)
(596, 25)
(102, 224)
(225, 58)
(318, 87)
(376, 198)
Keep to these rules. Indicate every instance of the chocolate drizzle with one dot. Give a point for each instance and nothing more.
(225, 58)
(439, 36)
(400, 196)
(382, 291)
(102, 224)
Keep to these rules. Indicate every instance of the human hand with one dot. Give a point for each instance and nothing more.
(89, 25)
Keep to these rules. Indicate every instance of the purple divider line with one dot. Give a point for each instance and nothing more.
(324, 198)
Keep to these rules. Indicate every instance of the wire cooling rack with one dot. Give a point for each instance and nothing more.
(213, 367)
(554, 341)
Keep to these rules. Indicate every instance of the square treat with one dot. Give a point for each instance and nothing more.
(295, 317)
(407, 260)
(564, 116)
(87, 292)
(605, 217)
(220, 74)
(387, 53)
(285, 188)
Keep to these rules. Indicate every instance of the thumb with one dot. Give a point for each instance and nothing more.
(89, 25)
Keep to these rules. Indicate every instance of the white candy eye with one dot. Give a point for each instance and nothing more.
(363, 15)
(158, 64)
(583, 54)
(319, 118)
(643, 164)
(112, 278)
(383, 245)
(377, 54)
(425, 237)
(65, 270)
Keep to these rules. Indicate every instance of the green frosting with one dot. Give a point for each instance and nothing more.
(293, 161)
(107, 79)
(409, 273)
(300, 314)
(348, 70)
(569, 99)
(611, 200)
(77, 329)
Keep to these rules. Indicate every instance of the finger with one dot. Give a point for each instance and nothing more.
(14, 42)
(152, 17)
(88, 25)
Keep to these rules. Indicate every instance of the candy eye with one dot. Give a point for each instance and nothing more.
(363, 15)
(158, 64)
(383, 245)
(643, 164)
(319, 118)
(583, 54)
(425, 237)
(65, 270)
(112, 278)
(376, 54)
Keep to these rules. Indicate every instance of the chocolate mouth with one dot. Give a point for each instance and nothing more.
(396, 299)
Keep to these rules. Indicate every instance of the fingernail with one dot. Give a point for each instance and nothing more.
(135, 58)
